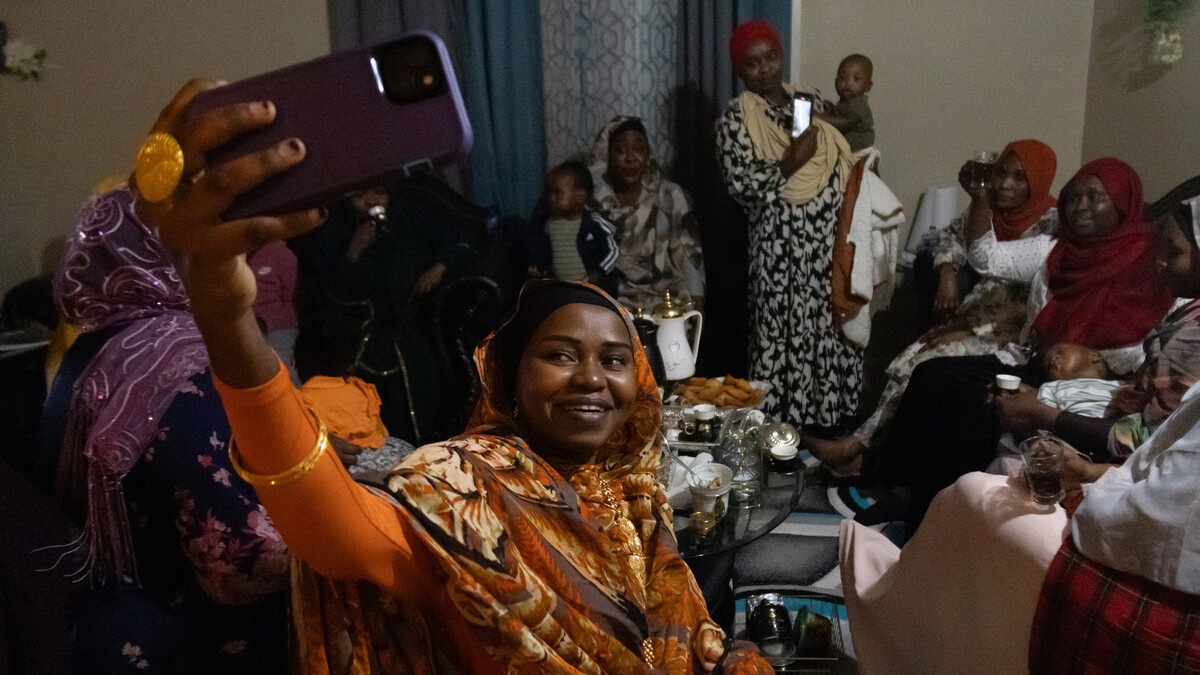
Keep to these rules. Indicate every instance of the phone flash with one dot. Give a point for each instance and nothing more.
(378, 78)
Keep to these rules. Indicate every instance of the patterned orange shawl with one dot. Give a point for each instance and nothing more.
(534, 561)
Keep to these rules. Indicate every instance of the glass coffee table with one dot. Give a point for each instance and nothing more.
(743, 522)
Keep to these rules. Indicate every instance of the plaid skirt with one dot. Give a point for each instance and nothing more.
(1093, 619)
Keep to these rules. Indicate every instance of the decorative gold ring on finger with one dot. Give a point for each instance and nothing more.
(159, 166)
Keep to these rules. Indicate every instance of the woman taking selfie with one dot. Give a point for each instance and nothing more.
(538, 542)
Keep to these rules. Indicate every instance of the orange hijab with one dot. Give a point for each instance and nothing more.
(537, 562)
(1040, 163)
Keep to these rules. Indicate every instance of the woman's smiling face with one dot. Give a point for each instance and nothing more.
(1088, 210)
(575, 382)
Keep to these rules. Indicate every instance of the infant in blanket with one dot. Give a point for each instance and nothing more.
(1077, 380)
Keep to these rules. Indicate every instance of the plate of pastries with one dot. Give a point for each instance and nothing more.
(723, 392)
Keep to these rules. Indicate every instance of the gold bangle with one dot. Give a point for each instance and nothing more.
(283, 477)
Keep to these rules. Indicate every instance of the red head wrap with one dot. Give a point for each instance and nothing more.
(1039, 163)
(1104, 290)
(744, 37)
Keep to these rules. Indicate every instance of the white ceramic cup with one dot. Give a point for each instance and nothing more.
(705, 497)
(1008, 382)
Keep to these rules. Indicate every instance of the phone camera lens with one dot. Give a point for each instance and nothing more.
(411, 70)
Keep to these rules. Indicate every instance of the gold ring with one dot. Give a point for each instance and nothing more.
(159, 166)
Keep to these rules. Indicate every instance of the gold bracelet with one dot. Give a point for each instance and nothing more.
(283, 477)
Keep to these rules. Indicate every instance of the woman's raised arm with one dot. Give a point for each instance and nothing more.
(326, 519)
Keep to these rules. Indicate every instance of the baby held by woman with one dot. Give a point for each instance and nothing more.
(1077, 380)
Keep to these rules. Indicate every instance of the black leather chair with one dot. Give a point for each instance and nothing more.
(466, 310)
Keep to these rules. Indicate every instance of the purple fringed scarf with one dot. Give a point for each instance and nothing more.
(116, 272)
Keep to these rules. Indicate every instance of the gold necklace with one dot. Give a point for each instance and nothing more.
(635, 553)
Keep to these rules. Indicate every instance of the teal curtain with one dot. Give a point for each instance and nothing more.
(502, 86)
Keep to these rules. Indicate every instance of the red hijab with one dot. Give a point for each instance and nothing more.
(1040, 163)
(1105, 291)
(744, 37)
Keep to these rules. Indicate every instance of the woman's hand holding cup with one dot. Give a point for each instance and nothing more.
(968, 179)
(1018, 408)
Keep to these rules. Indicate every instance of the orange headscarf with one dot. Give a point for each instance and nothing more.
(536, 561)
(1040, 163)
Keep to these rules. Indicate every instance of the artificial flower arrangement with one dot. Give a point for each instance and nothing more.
(20, 58)
(1162, 25)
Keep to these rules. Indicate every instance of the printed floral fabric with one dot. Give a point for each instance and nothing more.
(184, 571)
(994, 310)
(212, 567)
(795, 343)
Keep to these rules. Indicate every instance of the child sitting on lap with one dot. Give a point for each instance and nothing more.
(574, 243)
(851, 115)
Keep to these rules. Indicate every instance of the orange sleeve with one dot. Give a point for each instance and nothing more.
(337, 526)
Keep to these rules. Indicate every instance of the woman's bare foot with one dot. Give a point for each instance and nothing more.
(843, 456)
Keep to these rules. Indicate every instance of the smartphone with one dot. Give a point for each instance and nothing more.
(366, 116)
(801, 113)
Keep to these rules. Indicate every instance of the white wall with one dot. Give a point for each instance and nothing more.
(954, 76)
(116, 63)
(1141, 113)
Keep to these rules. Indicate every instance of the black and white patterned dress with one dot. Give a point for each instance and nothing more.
(795, 345)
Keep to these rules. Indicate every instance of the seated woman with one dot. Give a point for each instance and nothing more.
(1012, 225)
(656, 229)
(186, 572)
(1171, 366)
(1099, 288)
(978, 564)
(539, 541)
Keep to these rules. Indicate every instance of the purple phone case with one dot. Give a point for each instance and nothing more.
(354, 135)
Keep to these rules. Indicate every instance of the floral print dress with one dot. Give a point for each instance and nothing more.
(213, 572)
(995, 310)
(795, 344)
